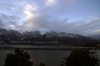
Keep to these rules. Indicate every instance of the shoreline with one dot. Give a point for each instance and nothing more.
(32, 47)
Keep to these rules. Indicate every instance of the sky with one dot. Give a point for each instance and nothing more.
(71, 16)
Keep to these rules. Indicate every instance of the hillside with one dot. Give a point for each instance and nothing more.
(48, 38)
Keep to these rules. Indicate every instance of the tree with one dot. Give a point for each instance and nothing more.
(41, 64)
(82, 57)
(20, 58)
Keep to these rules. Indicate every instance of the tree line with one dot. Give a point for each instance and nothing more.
(78, 57)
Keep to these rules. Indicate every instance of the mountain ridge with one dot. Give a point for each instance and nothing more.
(49, 36)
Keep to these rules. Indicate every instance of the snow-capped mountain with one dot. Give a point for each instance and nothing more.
(47, 36)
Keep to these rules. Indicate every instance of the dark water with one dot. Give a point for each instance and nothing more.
(48, 57)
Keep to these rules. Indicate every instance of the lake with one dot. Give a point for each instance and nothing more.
(48, 57)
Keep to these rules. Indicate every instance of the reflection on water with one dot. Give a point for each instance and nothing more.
(28, 46)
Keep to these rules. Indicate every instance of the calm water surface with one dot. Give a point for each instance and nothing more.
(48, 57)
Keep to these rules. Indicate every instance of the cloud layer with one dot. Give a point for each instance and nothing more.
(50, 15)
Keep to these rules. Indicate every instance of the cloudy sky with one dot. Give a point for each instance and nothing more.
(74, 16)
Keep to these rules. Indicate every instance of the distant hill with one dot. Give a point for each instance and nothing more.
(49, 37)
(95, 36)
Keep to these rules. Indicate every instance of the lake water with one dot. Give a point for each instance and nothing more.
(48, 57)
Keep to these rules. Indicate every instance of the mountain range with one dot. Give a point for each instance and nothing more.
(49, 36)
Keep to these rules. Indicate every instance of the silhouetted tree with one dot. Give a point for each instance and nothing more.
(82, 57)
(20, 58)
(62, 63)
(41, 64)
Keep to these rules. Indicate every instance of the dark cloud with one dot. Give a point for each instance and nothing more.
(1, 24)
(86, 27)
(6, 21)
(9, 19)
(11, 22)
